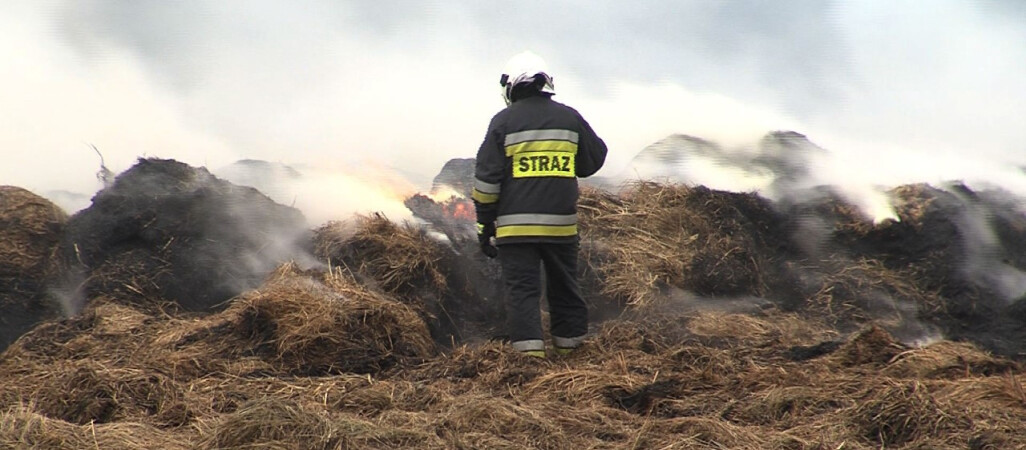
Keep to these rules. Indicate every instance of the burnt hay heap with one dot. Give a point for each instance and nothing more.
(736, 323)
(169, 232)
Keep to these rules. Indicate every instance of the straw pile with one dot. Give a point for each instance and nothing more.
(950, 259)
(166, 231)
(324, 322)
(30, 227)
(651, 237)
(400, 259)
(344, 357)
(452, 286)
(162, 370)
(705, 380)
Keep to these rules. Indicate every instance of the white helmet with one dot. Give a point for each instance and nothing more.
(524, 68)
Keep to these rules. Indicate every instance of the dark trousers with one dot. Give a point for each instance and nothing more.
(521, 268)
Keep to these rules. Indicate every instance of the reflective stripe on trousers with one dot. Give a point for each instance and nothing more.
(563, 342)
(528, 345)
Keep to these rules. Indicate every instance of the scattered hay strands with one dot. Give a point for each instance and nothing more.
(21, 426)
(343, 358)
(631, 387)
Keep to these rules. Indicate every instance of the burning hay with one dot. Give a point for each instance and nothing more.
(724, 333)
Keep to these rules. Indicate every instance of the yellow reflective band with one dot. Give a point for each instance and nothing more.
(488, 188)
(481, 197)
(542, 146)
(544, 164)
(536, 230)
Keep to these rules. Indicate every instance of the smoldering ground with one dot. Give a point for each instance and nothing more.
(946, 230)
(166, 231)
(713, 327)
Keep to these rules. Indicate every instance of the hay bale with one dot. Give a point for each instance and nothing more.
(324, 322)
(955, 246)
(168, 231)
(457, 174)
(30, 227)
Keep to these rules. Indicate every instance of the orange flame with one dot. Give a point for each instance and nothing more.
(459, 208)
(444, 194)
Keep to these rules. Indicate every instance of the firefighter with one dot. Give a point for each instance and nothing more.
(525, 197)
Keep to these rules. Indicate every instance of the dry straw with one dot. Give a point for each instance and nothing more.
(342, 357)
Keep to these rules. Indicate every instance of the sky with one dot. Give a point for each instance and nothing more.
(375, 96)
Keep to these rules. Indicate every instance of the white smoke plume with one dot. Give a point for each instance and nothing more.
(893, 99)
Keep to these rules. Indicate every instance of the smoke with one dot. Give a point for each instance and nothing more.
(985, 254)
(171, 231)
(412, 86)
(325, 193)
(56, 103)
(366, 101)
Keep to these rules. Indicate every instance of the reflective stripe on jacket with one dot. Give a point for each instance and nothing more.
(526, 173)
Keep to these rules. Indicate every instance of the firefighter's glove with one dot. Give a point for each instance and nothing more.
(485, 233)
